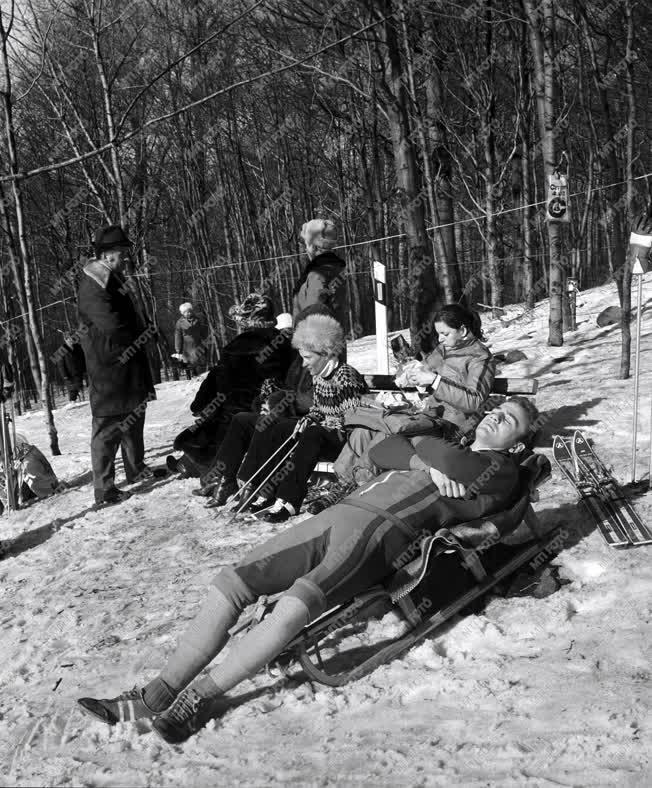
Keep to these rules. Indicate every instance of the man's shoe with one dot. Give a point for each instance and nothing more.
(222, 493)
(211, 476)
(111, 497)
(172, 463)
(277, 514)
(186, 716)
(260, 506)
(336, 492)
(127, 707)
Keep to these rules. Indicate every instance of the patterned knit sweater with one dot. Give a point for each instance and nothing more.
(334, 395)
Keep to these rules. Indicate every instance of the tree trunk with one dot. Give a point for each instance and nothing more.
(425, 294)
(626, 301)
(23, 250)
(542, 48)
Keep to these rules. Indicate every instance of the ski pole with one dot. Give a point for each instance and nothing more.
(299, 427)
(295, 432)
(249, 498)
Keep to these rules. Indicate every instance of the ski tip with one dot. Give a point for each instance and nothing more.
(558, 443)
(578, 438)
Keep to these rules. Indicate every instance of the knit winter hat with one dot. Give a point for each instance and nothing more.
(185, 307)
(319, 334)
(256, 311)
(109, 237)
(319, 235)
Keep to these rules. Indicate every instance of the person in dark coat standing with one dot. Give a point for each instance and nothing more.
(114, 337)
(258, 353)
(323, 281)
(71, 365)
(189, 340)
(6, 377)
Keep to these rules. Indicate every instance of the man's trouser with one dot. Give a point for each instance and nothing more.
(353, 463)
(109, 432)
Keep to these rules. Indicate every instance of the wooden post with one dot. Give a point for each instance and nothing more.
(380, 296)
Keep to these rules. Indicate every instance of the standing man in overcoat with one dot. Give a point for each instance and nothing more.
(114, 337)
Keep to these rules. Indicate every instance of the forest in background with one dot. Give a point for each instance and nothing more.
(211, 131)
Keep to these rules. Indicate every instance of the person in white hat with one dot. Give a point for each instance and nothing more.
(189, 340)
(322, 285)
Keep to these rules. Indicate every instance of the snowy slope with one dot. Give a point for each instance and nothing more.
(532, 691)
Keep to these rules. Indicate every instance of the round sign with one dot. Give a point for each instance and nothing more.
(557, 207)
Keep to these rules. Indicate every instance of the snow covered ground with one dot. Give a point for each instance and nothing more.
(531, 691)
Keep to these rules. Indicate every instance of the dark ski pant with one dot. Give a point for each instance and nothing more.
(108, 433)
(315, 443)
(201, 442)
(236, 442)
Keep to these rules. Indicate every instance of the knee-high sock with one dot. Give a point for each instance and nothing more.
(205, 637)
(251, 652)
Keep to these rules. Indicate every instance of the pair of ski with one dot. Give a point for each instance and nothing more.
(603, 497)
(7, 443)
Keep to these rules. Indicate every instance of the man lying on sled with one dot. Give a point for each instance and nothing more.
(326, 560)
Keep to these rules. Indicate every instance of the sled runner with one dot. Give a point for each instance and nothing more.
(454, 567)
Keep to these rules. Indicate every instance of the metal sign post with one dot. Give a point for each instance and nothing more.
(640, 245)
(380, 296)
(638, 272)
(571, 287)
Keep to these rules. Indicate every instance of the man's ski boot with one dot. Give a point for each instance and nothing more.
(188, 714)
(127, 707)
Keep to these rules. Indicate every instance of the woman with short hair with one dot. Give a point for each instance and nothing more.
(337, 387)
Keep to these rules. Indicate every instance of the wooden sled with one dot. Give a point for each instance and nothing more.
(455, 567)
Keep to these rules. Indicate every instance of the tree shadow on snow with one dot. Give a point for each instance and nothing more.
(30, 539)
(79, 481)
(565, 419)
(27, 540)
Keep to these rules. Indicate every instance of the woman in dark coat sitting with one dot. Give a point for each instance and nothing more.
(260, 351)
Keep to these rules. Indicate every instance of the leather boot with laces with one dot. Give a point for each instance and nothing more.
(222, 493)
(186, 716)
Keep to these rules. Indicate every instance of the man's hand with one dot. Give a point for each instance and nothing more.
(447, 487)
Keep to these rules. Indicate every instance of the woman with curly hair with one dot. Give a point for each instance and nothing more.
(337, 387)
